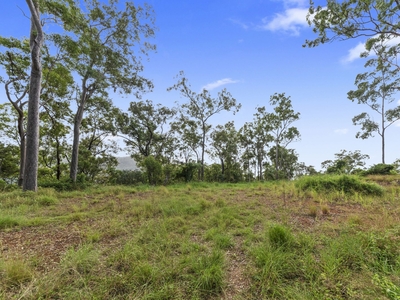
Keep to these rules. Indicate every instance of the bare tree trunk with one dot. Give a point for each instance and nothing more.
(276, 161)
(22, 158)
(75, 145)
(383, 145)
(86, 94)
(202, 153)
(32, 132)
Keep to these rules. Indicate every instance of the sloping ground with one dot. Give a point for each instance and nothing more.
(260, 241)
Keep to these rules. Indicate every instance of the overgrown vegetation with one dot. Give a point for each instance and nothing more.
(274, 240)
(342, 183)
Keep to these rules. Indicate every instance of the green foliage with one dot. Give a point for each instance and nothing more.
(391, 290)
(8, 222)
(143, 127)
(346, 162)
(14, 273)
(343, 183)
(9, 162)
(153, 170)
(128, 177)
(280, 237)
(380, 169)
(342, 20)
(64, 184)
(187, 171)
(208, 270)
(196, 113)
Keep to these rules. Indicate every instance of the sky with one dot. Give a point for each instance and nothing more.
(253, 48)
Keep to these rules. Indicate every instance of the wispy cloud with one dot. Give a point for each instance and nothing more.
(218, 83)
(240, 23)
(355, 52)
(341, 131)
(292, 20)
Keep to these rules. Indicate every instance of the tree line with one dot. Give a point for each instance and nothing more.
(100, 50)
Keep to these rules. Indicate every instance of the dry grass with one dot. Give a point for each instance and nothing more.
(245, 241)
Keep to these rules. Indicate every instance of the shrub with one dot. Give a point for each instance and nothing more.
(128, 177)
(380, 169)
(346, 183)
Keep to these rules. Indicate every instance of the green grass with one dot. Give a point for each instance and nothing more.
(200, 241)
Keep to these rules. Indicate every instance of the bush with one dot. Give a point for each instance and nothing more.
(127, 177)
(64, 184)
(380, 169)
(346, 183)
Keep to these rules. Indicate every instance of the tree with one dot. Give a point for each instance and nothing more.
(103, 51)
(143, 128)
(32, 131)
(376, 89)
(97, 148)
(16, 62)
(9, 162)
(279, 123)
(224, 142)
(342, 20)
(345, 162)
(201, 107)
(254, 138)
(287, 163)
(188, 139)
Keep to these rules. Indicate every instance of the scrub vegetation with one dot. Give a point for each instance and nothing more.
(272, 240)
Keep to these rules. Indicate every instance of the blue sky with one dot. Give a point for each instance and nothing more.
(253, 48)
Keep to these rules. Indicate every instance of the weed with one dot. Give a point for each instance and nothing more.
(208, 271)
(8, 222)
(15, 272)
(339, 183)
(46, 200)
(280, 236)
(325, 209)
(313, 211)
(220, 202)
(391, 290)
(82, 260)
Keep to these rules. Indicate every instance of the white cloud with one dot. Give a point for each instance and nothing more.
(354, 53)
(297, 3)
(398, 102)
(240, 23)
(218, 83)
(291, 20)
(341, 131)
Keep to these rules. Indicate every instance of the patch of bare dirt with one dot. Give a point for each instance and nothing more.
(46, 244)
(238, 282)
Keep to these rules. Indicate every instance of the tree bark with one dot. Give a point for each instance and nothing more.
(75, 145)
(32, 132)
(86, 94)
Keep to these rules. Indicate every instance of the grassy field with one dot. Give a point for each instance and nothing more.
(201, 241)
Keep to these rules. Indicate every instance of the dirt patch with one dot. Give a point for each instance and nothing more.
(47, 245)
(237, 281)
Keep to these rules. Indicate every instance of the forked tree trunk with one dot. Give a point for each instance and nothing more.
(32, 132)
